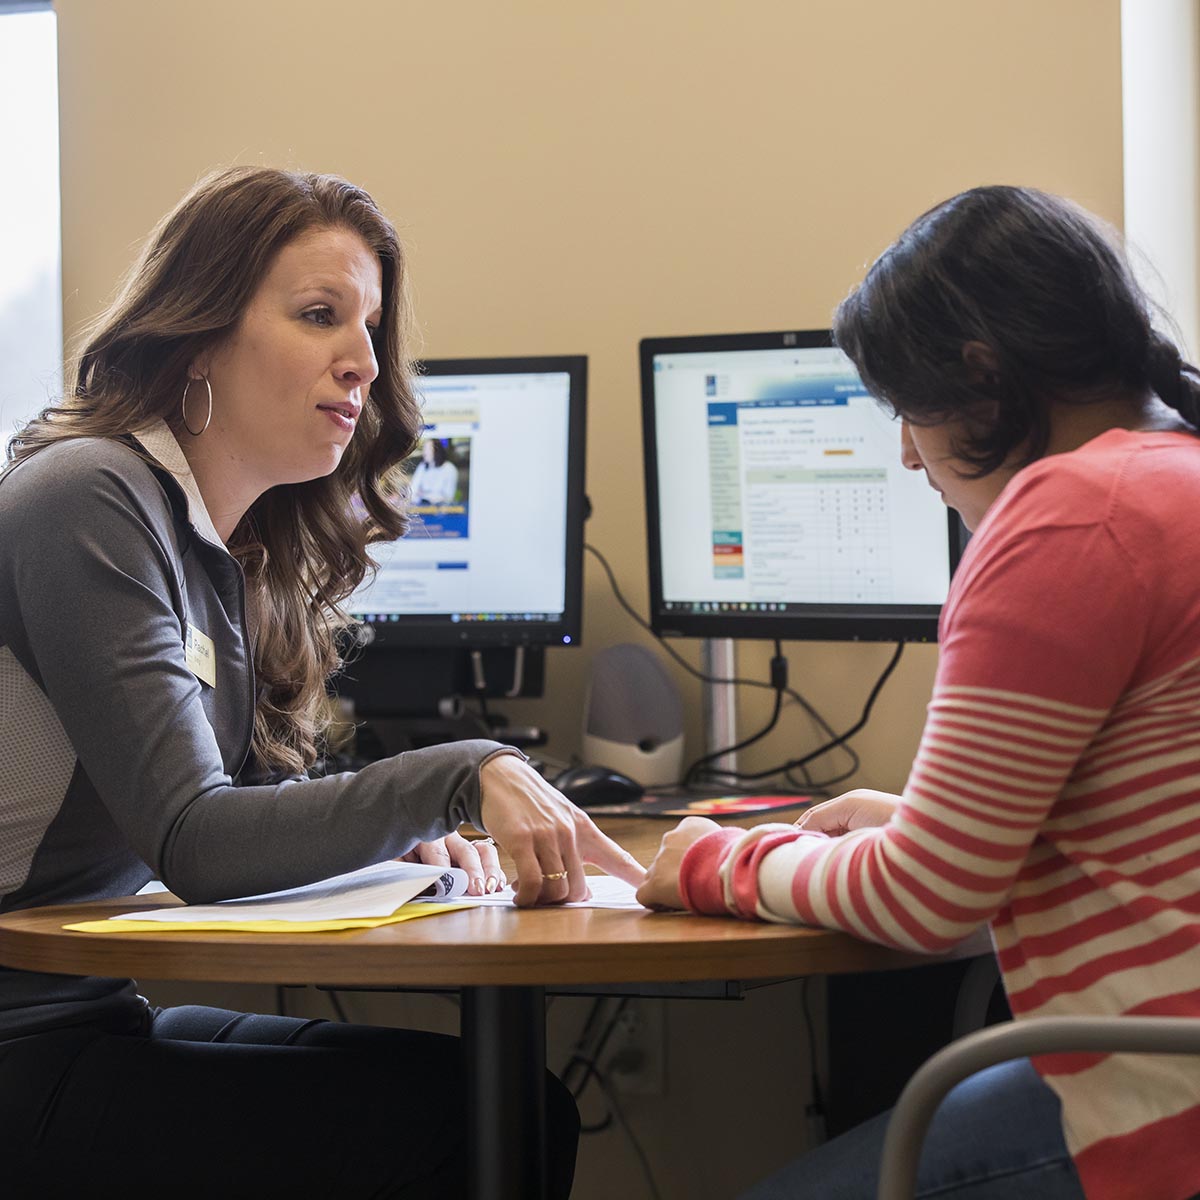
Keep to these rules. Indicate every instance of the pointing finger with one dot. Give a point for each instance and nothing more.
(601, 851)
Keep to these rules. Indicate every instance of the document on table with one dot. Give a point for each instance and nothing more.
(607, 892)
(380, 895)
(360, 898)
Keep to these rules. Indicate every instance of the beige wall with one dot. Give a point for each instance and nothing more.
(571, 177)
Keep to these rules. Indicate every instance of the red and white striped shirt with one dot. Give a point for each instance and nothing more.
(1055, 793)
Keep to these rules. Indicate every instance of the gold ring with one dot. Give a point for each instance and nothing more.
(556, 875)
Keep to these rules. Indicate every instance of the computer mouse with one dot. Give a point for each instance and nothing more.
(596, 786)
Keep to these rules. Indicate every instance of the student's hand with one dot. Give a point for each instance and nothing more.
(661, 889)
(548, 838)
(851, 810)
(479, 859)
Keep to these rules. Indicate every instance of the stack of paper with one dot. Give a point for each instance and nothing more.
(377, 895)
(607, 892)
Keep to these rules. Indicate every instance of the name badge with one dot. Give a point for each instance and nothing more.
(200, 655)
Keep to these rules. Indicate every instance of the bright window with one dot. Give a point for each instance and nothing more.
(30, 241)
(1160, 48)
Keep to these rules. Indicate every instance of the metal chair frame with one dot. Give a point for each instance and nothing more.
(999, 1043)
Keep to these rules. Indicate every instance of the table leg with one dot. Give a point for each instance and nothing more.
(504, 1040)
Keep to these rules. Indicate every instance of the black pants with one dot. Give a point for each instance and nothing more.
(211, 1103)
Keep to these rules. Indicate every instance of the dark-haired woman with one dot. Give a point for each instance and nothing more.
(176, 538)
(1056, 789)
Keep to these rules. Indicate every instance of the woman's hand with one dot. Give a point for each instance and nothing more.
(479, 859)
(548, 838)
(661, 889)
(851, 810)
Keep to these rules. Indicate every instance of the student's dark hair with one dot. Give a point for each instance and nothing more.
(439, 451)
(1039, 282)
(303, 546)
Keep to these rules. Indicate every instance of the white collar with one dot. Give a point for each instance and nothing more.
(160, 443)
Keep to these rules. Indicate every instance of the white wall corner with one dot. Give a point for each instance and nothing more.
(1160, 70)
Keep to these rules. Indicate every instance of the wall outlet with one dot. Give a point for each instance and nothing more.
(635, 1057)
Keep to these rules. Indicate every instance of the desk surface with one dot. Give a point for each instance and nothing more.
(488, 946)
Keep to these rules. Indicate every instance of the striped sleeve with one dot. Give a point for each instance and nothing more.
(1032, 661)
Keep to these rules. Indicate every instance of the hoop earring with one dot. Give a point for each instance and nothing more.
(183, 407)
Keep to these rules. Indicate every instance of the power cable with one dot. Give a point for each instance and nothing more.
(618, 1112)
(834, 743)
(796, 763)
(779, 683)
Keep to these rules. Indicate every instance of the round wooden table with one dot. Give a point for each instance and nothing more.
(501, 959)
(488, 947)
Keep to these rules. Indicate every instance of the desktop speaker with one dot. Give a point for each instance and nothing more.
(633, 717)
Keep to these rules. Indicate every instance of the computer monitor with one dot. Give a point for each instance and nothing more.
(777, 506)
(494, 553)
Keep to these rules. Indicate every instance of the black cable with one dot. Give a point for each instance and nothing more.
(779, 683)
(619, 1113)
(687, 666)
(808, 783)
(336, 1001)
(588, 1061)
(821, 785)
(839, 740)
(834, 743)
(796, 763)
(606, 1121)
(683, 662)
(581, 1041)
(819, 720)
(815, 1110)
(812, 712)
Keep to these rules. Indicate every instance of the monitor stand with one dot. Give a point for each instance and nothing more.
(404, 698)
(718, 658)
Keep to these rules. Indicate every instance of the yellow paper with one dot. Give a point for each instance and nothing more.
(409, 912)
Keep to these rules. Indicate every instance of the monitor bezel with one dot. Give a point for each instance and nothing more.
(814, 622)
(415, 630)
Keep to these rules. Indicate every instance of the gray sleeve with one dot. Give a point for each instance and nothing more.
(89, 603)
(241, 840)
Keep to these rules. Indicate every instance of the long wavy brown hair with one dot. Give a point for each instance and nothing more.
(301, 546)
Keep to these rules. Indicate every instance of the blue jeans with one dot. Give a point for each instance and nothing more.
(995, 1136)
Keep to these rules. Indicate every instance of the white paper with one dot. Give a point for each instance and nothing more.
(370, 892)
(607, 892)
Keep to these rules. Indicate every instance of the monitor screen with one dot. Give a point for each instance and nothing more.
(493, 555)
(776, 501)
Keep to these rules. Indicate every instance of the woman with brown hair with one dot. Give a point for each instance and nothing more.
(176, 538)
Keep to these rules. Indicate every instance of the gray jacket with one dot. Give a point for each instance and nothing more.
(123, 765)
